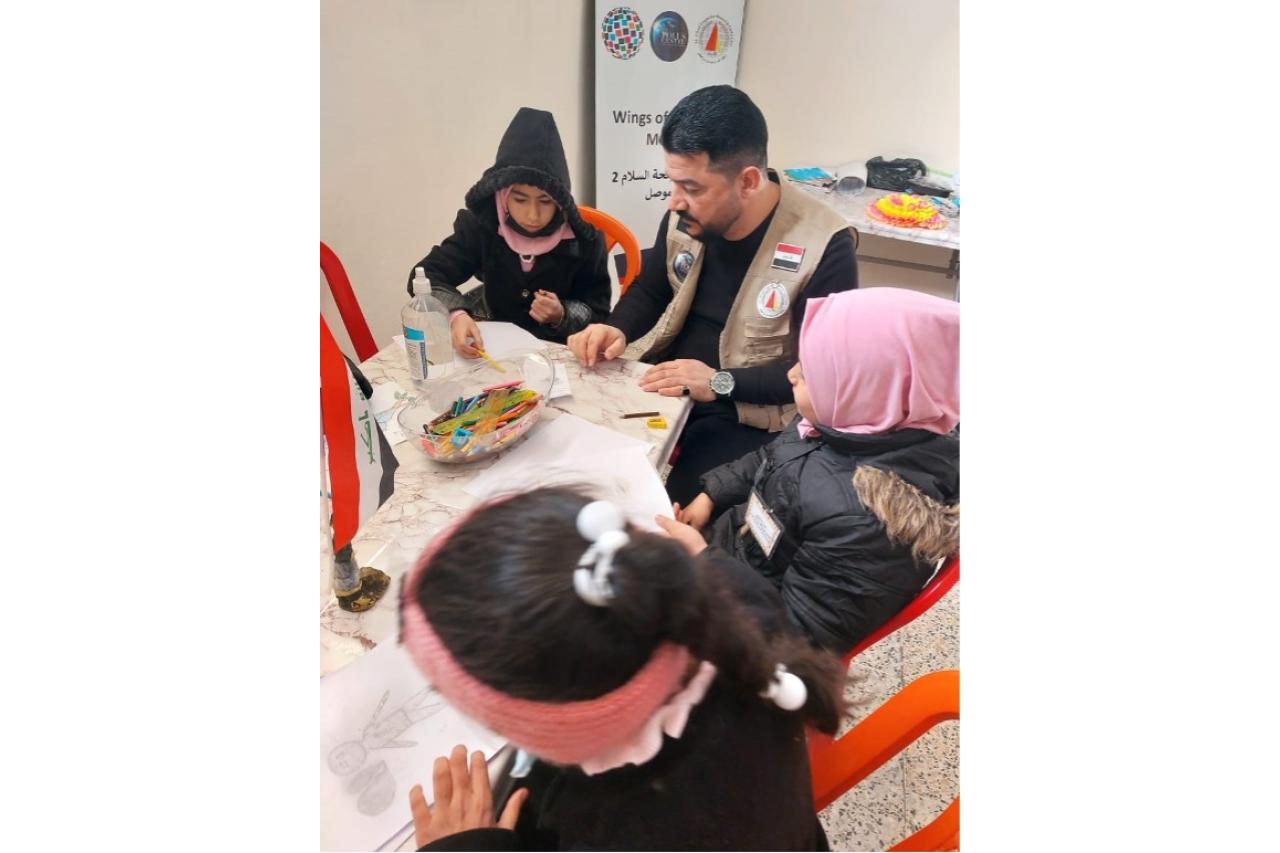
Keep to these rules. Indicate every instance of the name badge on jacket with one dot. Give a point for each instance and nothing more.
(763, 526)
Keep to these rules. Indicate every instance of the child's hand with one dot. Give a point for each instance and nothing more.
(696, 514)
(463, 800)
(684, 534)
(464, 331)
(546, 308)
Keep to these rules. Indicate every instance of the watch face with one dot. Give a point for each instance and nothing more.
(722, 382)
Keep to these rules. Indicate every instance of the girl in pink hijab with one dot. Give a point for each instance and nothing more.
(852, 508)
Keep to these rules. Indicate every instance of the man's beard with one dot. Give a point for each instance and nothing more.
(708, 232)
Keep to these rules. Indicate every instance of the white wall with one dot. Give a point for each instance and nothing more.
(842, 80)
(415, 94)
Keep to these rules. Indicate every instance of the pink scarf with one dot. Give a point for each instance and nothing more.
(527, 247)
(881, 359)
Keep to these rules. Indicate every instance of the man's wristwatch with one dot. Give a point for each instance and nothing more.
(722, 384)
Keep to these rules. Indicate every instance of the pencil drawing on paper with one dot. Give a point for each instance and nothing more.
(374, 785)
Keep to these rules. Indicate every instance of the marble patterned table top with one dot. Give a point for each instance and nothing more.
(429, 494)
(854, 210)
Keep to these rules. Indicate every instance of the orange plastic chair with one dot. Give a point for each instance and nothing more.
(939, 586)
(891, 728)
(614, 233)
(345, 298)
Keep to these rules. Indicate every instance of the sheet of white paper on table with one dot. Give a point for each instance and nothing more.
(560, 387)
(571, 451)
(502, 340)
(381, 728)
(387, 401)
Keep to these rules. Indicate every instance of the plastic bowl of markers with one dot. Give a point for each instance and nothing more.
(497, 403)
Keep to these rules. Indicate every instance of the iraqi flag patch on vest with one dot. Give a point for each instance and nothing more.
(787, 257)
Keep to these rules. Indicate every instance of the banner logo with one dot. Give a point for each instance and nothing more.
(622, 32)
(714, 38)
(669, 36)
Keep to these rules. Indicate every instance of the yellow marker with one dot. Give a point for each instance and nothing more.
(656, 423)
(486, 357)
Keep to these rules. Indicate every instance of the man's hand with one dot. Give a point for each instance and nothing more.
(696, 514)
(464, 332)
(463, 800)
(596, 340)
(684, 534)
(546, 308)
(670, 378)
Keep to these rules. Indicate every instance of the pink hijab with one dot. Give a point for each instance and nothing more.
(527, 247)
(881, 359)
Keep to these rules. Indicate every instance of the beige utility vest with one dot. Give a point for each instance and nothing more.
(755, 332)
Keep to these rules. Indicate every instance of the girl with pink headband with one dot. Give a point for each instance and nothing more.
(852, 508)
(664, 695)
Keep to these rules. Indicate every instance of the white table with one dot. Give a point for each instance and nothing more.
(854, 210)
(429, 494)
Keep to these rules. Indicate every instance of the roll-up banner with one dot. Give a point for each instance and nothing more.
(649, 55)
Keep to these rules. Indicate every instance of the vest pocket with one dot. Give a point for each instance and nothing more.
(765, 342)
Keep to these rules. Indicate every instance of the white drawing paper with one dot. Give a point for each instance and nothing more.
(387, 401)
(560, 386)
(502, 340)
(570, 451)
(381, 728)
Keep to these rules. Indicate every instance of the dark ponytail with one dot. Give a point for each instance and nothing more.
(658, 582)
(500, 595)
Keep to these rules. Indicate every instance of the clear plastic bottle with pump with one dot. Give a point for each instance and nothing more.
(426, 334)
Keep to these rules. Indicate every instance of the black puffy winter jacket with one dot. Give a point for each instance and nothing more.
(864, 521)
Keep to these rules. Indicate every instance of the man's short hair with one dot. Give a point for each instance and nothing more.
(722, 122)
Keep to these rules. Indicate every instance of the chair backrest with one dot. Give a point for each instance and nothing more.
(614, 233)
(891, 728)
(345, 298)
(938, 586)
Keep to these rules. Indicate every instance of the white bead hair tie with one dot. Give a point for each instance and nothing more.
(786, 690)
(603, 525)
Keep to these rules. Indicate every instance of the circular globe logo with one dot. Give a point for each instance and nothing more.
(669, 36)
(622, 32)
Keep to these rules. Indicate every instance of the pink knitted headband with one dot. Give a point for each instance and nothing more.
(561, 732)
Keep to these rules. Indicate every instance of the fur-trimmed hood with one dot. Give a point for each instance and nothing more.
(930, 528)
(530, 153)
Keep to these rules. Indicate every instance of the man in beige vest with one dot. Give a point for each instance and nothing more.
(720, 296)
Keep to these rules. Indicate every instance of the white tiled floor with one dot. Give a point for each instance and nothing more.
(914, 787)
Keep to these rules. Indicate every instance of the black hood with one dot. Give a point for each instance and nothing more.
(530, 153)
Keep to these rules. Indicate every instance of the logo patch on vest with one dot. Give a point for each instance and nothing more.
(787, 257)
(682, 264)
(772, 301)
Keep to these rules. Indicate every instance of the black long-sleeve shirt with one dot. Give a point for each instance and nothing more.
(725, 264)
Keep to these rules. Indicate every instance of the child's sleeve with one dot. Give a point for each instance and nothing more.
(592, 290)
(454, 262)
(730, 484)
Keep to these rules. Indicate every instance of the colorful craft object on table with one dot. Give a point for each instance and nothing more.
(475, 426)
(907, 211)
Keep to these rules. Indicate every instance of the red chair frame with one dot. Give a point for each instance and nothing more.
(345, 298)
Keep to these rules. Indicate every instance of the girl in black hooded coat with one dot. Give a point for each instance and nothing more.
(542, 267)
